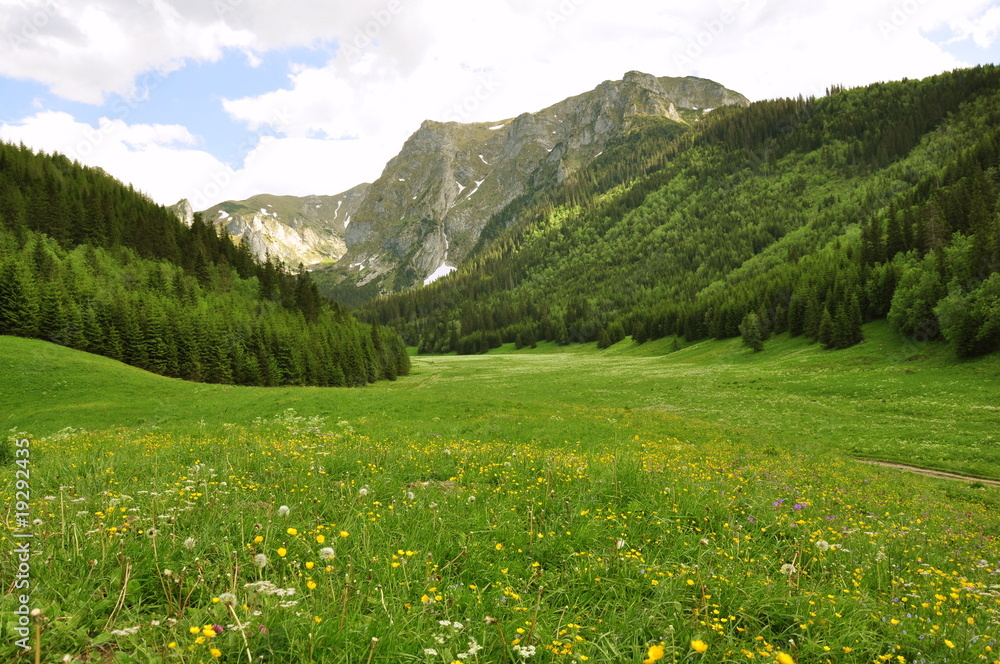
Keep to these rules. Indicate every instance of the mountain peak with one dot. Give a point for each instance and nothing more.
(428, 209)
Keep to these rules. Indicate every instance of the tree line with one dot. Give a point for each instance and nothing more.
(806, 216)
(91, 264)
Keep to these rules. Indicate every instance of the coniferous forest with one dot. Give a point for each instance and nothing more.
(90, 264)
(807, 216)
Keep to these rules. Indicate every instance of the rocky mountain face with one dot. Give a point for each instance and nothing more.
(424, 215)
(307, 230)
(426, 212)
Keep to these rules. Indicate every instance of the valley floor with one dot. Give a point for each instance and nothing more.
(554, 505)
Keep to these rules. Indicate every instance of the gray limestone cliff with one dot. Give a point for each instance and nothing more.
(424, 215)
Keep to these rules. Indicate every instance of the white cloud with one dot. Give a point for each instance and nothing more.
(402, 61)
(159, 159)
(154, 158)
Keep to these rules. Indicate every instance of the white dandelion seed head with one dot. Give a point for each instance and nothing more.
(327, 553)
(283, 510)
(227, 599)
(189, 543)
(363, 491)
(823, 545)
(410, 495)
(788, 568)
(260, 560)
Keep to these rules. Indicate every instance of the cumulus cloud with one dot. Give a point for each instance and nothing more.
(395, 63)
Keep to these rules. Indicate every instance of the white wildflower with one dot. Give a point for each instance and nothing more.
(524, 651)
(128, 631)
(189, 543)
(430, 652)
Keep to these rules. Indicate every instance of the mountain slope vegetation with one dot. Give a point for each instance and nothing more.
(810, 216)
(90, 264)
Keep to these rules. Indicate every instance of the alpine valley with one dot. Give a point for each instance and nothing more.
(658, 207)
(616, 362)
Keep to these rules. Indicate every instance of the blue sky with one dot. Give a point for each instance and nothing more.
(226, 99)
(191, 96)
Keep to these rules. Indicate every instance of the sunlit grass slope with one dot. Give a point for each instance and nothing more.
(883, 399)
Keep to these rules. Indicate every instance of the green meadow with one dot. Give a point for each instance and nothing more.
(546, 505)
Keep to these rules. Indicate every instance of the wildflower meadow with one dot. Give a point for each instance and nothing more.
(455, 535)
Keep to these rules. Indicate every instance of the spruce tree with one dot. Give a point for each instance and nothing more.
(750, 329)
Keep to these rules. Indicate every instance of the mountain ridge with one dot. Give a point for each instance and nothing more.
(426, 213)
(427, 210)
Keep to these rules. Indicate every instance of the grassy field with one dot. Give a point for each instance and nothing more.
(555, 505)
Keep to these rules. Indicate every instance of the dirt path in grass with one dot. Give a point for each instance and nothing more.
(930, 473)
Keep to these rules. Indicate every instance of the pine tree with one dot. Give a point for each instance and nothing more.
(750, 329)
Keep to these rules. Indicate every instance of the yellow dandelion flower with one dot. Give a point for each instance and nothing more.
(699, 646)
(499, 546)
(317, 619)
(282, 552)
(311, 585)
(654, 654)
(193, 629)
(216, 652)
(310, 565)
(320, 539)
(949, 643)
(292, 531)
(344, 533)
(258, 539)
(172, 644)
(784, 658)
(208, 631)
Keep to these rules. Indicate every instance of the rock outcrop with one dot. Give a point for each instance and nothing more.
(425, 214)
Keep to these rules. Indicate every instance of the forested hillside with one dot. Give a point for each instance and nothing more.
(88, 263)
(809, 216)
